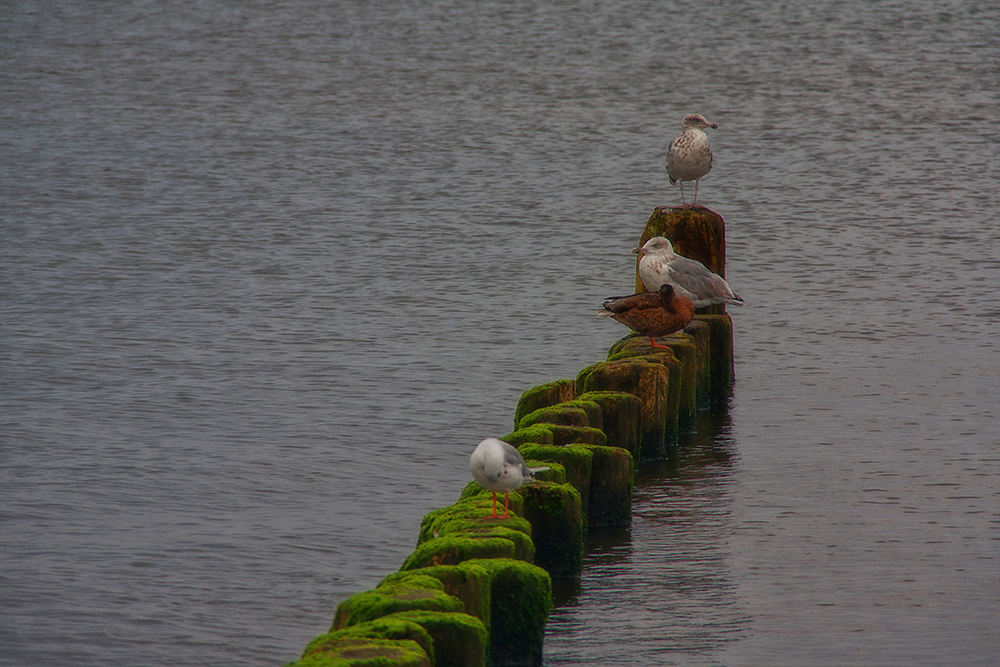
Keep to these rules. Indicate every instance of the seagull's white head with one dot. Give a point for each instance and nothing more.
(657, 245)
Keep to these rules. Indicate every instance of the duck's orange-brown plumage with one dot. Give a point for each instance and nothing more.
(652, 314)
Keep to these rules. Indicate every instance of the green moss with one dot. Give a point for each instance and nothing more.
(366, 652)
(556, 414)
(577, 413)
(482, 499)
(556, 471)
(555, 513)
(467, 581)
(467, 515)
(426, 593)
(539, 433)
(453, 549)
(543, 396)
(460, 640)
(577, 462)
(385, 627)
(521, 602)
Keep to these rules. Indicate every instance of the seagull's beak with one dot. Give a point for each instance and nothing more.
(637, 251)
(714, 126)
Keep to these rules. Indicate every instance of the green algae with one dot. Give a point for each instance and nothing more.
(460, 640)
(521, 602)
(561, 415)
(576, 460)
(539, 433)
(426, 593)
(576, 413)
(453, 549)
(556, 515)
(385, 627)
(543, 396)
(467, 581)
(366, 652)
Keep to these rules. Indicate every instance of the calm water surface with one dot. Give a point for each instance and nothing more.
(268, 271)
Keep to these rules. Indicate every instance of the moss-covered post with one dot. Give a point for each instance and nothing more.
(543, 396)
(577, 461)
(521, 597)
(340, 648)
(611, 486)
(576, 413)
(649, 379)
(556, 515)
(466, 581)
(556, 434)
(620, 418)
(425, 593)
(686, 351)
(460, 640)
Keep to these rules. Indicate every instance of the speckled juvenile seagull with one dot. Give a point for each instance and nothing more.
(689, 156)
(659, 265)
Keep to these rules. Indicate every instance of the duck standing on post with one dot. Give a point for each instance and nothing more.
(651, 314)
(689, 156)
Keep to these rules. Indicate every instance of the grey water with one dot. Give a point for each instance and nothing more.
(270, 270)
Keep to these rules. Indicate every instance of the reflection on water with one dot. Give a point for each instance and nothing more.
(661, 586)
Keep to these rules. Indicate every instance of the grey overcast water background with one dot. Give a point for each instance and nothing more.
(270, 270)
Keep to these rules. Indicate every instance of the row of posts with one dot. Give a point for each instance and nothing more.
(477, 591)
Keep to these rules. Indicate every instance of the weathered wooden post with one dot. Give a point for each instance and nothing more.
(700, 233)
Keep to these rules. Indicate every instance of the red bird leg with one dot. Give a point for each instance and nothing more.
(653, 343)
(506, 512)
(494, 515)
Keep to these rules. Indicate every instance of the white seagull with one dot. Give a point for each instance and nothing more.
(498, 466)
(689, 156)
(659, 264)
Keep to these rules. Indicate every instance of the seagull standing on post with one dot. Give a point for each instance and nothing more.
(498, 466)
(689, 156)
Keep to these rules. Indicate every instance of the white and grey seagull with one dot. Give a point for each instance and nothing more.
(689, 156)
(659, 264)
(498, 466)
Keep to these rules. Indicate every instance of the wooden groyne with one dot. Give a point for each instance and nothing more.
(477, 591)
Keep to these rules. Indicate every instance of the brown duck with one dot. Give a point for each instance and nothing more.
(651, 314)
